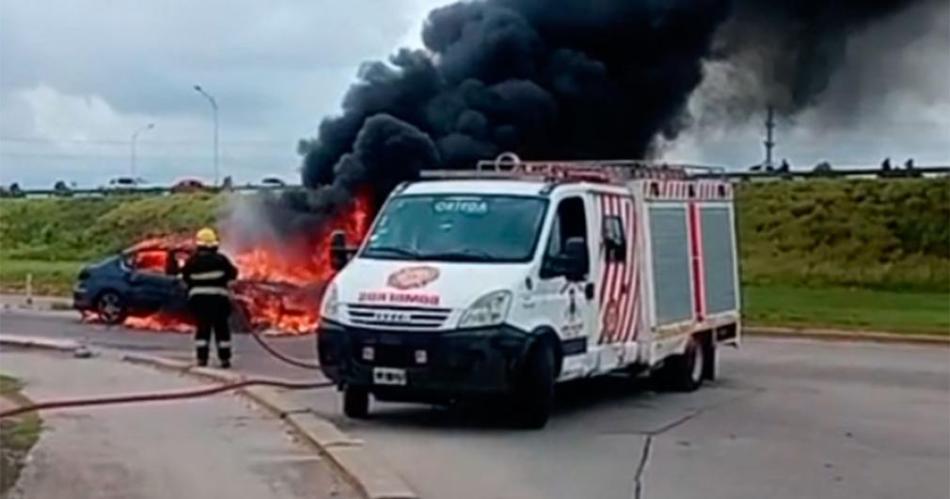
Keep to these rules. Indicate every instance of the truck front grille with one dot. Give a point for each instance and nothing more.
(394, 317)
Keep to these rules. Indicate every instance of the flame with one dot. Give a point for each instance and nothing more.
(279, 289)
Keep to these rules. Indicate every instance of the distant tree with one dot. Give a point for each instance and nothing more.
(909, 164)
(823, 168)
(228, 183)
(784, 167)
(886, 165)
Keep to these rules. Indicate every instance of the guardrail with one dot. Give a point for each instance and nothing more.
(916, 172)
(923, 171)
(160, 191)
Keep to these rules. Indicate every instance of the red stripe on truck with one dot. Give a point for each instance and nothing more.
(696, 256)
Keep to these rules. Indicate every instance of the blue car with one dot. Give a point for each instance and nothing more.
(122, 285)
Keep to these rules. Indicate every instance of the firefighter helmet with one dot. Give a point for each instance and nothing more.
(206, 238)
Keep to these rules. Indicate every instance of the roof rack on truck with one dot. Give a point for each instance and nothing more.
(509, 166)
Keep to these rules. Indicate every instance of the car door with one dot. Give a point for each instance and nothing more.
(151, 288)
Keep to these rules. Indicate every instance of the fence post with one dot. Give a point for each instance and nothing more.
(29, 289)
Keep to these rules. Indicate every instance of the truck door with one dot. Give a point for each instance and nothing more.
(615, 274)
(569, 301)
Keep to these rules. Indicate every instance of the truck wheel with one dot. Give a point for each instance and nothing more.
(712, 357)
(683, 372)
(356, 402)
(534, 390)
(111, 308)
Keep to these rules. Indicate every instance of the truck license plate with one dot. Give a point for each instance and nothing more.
(389, 376)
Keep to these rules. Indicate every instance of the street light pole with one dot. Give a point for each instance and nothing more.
(135, 137)
(214, 110)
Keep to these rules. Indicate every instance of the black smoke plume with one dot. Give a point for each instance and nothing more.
(579, 78)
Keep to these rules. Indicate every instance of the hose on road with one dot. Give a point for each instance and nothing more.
(185, 394)
(163, 396)
(281, 356)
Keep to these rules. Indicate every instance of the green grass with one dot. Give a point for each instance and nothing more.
(889, 235)
(844, 308)
(49, 278)
(17, 435)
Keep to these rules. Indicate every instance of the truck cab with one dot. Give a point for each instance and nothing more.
(502, 283)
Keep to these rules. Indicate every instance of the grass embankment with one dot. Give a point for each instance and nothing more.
(862, 254)
(858, 254)
(52, 238)
(17, 435)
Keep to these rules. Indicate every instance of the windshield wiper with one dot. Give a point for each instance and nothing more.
(466, 255)
(393, 250)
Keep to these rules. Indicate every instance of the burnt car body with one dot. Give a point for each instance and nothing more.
(119, 286)
(144, 280)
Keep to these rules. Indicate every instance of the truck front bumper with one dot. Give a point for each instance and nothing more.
(455, 363)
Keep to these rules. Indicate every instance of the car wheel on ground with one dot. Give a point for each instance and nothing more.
(534, 389)
(356, 402)
(111, 307)
(684, 372)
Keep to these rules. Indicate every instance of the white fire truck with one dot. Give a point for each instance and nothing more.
(503, 281)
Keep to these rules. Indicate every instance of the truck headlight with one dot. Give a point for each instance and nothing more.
(489, 310)
(331, 303)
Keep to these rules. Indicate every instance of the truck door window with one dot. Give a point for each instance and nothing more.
(570, 222)
(614, 239)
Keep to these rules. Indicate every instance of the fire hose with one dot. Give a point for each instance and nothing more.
(182, 394)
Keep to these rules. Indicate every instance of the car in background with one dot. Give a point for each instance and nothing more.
(125, 184)
(273, 183)
(188, 186)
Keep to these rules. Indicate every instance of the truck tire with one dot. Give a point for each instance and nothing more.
(712, 357)
(355, 402)
(534, 390)
(683, 372)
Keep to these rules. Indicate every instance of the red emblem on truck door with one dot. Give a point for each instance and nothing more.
(412, 277)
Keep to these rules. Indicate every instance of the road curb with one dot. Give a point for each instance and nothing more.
(847, 336)
(348, 455)
(40, 342)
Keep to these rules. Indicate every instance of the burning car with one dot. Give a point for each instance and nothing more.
(141, 281)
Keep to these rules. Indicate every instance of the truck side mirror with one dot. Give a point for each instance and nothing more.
(339, 252)
(576, 259)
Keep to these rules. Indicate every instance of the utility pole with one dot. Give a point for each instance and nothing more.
(135, 137)
(214, 110)
(769, 137)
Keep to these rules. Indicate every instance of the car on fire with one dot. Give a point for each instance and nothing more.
(130, 284)
(144, 280)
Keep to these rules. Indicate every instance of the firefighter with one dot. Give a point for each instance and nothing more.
(207, 274)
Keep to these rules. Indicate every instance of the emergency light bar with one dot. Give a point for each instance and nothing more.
(509, 166)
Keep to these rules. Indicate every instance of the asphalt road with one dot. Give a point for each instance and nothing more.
(215, 447)
(786, 419)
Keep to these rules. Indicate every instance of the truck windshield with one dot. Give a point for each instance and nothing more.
(457, 228)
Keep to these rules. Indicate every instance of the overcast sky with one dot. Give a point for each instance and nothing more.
(78, 77)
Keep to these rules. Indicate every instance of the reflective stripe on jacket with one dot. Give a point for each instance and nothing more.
(208, 272)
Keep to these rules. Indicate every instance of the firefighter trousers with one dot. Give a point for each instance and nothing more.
(211, 313)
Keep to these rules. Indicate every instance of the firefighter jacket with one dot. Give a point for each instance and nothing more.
(208, 272)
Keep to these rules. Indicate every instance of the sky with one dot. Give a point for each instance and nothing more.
(79, 77)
